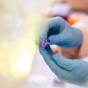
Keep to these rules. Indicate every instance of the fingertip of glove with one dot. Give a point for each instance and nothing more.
(51, 39)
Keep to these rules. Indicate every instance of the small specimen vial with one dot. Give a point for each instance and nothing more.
(44, 42)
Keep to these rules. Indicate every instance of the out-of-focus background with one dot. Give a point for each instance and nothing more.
(21, 65)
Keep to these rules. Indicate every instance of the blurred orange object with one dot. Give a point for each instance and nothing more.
(47, 13)
(74, 17)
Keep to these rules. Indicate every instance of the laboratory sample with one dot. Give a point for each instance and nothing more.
(44, 42)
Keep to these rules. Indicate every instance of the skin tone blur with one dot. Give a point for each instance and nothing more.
(78, 4)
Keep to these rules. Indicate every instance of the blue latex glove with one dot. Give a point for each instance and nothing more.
(59, 32)
(72, 71)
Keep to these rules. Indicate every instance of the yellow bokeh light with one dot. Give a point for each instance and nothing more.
(22, 64)
(19, 20)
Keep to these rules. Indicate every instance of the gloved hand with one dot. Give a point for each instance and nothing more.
(59, 32)
(72, 71)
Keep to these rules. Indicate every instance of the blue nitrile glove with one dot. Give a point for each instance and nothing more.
(59, 32)
(71, 71)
